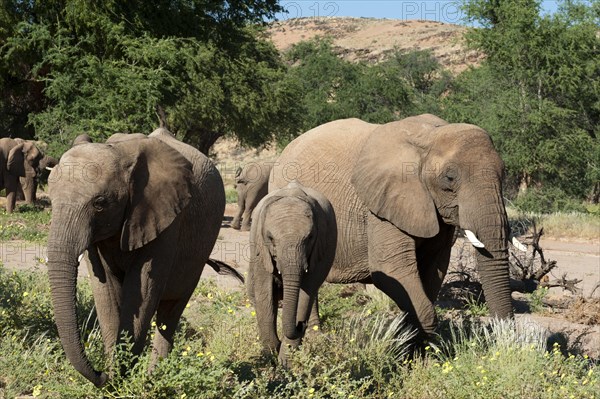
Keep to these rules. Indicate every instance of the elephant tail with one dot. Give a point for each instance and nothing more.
(224, 269)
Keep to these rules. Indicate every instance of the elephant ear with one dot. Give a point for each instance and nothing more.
(16, 160)
(260, 248)
(387, 175)
(160, 184)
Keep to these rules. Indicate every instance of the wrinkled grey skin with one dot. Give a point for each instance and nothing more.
(399, 191)
(252, 185)
(18, 158)
(292, 244)
(148, 212)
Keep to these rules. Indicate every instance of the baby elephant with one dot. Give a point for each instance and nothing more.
(251, 184)
(292, 242)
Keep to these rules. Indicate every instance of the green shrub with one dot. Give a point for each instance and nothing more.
(358, 354)
(231, 195)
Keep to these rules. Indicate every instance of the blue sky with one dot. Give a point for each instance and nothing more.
(436, 10)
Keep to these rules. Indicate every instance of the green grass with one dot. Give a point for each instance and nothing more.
(231, 195)
(359, 353)
(28, 223)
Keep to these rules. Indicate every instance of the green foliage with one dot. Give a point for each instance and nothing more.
(217, 354)
(476, 308)
(536, 298)
(231, 195)
(548, 200)
(333, 88)
(111, 67)
(537, 92)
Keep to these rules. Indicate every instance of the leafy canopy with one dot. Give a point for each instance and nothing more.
(537, 92)
(105, 67)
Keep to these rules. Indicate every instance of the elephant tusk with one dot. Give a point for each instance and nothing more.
(473, 239)
(79, 258)
(518, 244)
(49, 168)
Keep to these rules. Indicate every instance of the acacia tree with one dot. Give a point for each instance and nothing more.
(537, 92)
(107, 67)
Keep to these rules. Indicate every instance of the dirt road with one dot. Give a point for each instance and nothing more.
(577, 259)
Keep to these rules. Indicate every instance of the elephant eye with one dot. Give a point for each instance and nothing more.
(448, 180)
(99, 203)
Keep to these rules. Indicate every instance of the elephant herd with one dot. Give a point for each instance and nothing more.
(347, 201)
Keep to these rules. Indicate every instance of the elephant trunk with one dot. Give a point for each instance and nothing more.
(63, 251)
(291, 272)
(490, 225)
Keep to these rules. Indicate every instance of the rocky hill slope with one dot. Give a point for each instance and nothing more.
(371, 40)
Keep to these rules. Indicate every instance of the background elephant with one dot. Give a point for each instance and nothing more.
(292, 244)
(399, 190)
(83, 138)
(29, 184)
(252, 184)
(148, 212)
(18, 158)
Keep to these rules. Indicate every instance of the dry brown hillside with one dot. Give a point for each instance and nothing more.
(372, 39)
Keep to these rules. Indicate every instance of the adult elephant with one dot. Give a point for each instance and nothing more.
(148, 212)
(251, 184)
(18, 158)
(399, 190)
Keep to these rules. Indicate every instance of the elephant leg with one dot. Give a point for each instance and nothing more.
(27, 189)
(433, 259)
(11, 185)
(393, 265)
(246, 219)
(237, 219)
(143, 287)
(168, 315)
(266, 305)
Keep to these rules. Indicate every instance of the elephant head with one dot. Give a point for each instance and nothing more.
(294, 238)
(421, 171)
(23, 159)
(117, 193)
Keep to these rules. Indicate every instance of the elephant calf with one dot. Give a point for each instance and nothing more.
(292, 243)
(251, 183)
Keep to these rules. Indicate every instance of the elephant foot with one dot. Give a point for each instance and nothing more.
(235, 225)
(245, 227)
(287, 346)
